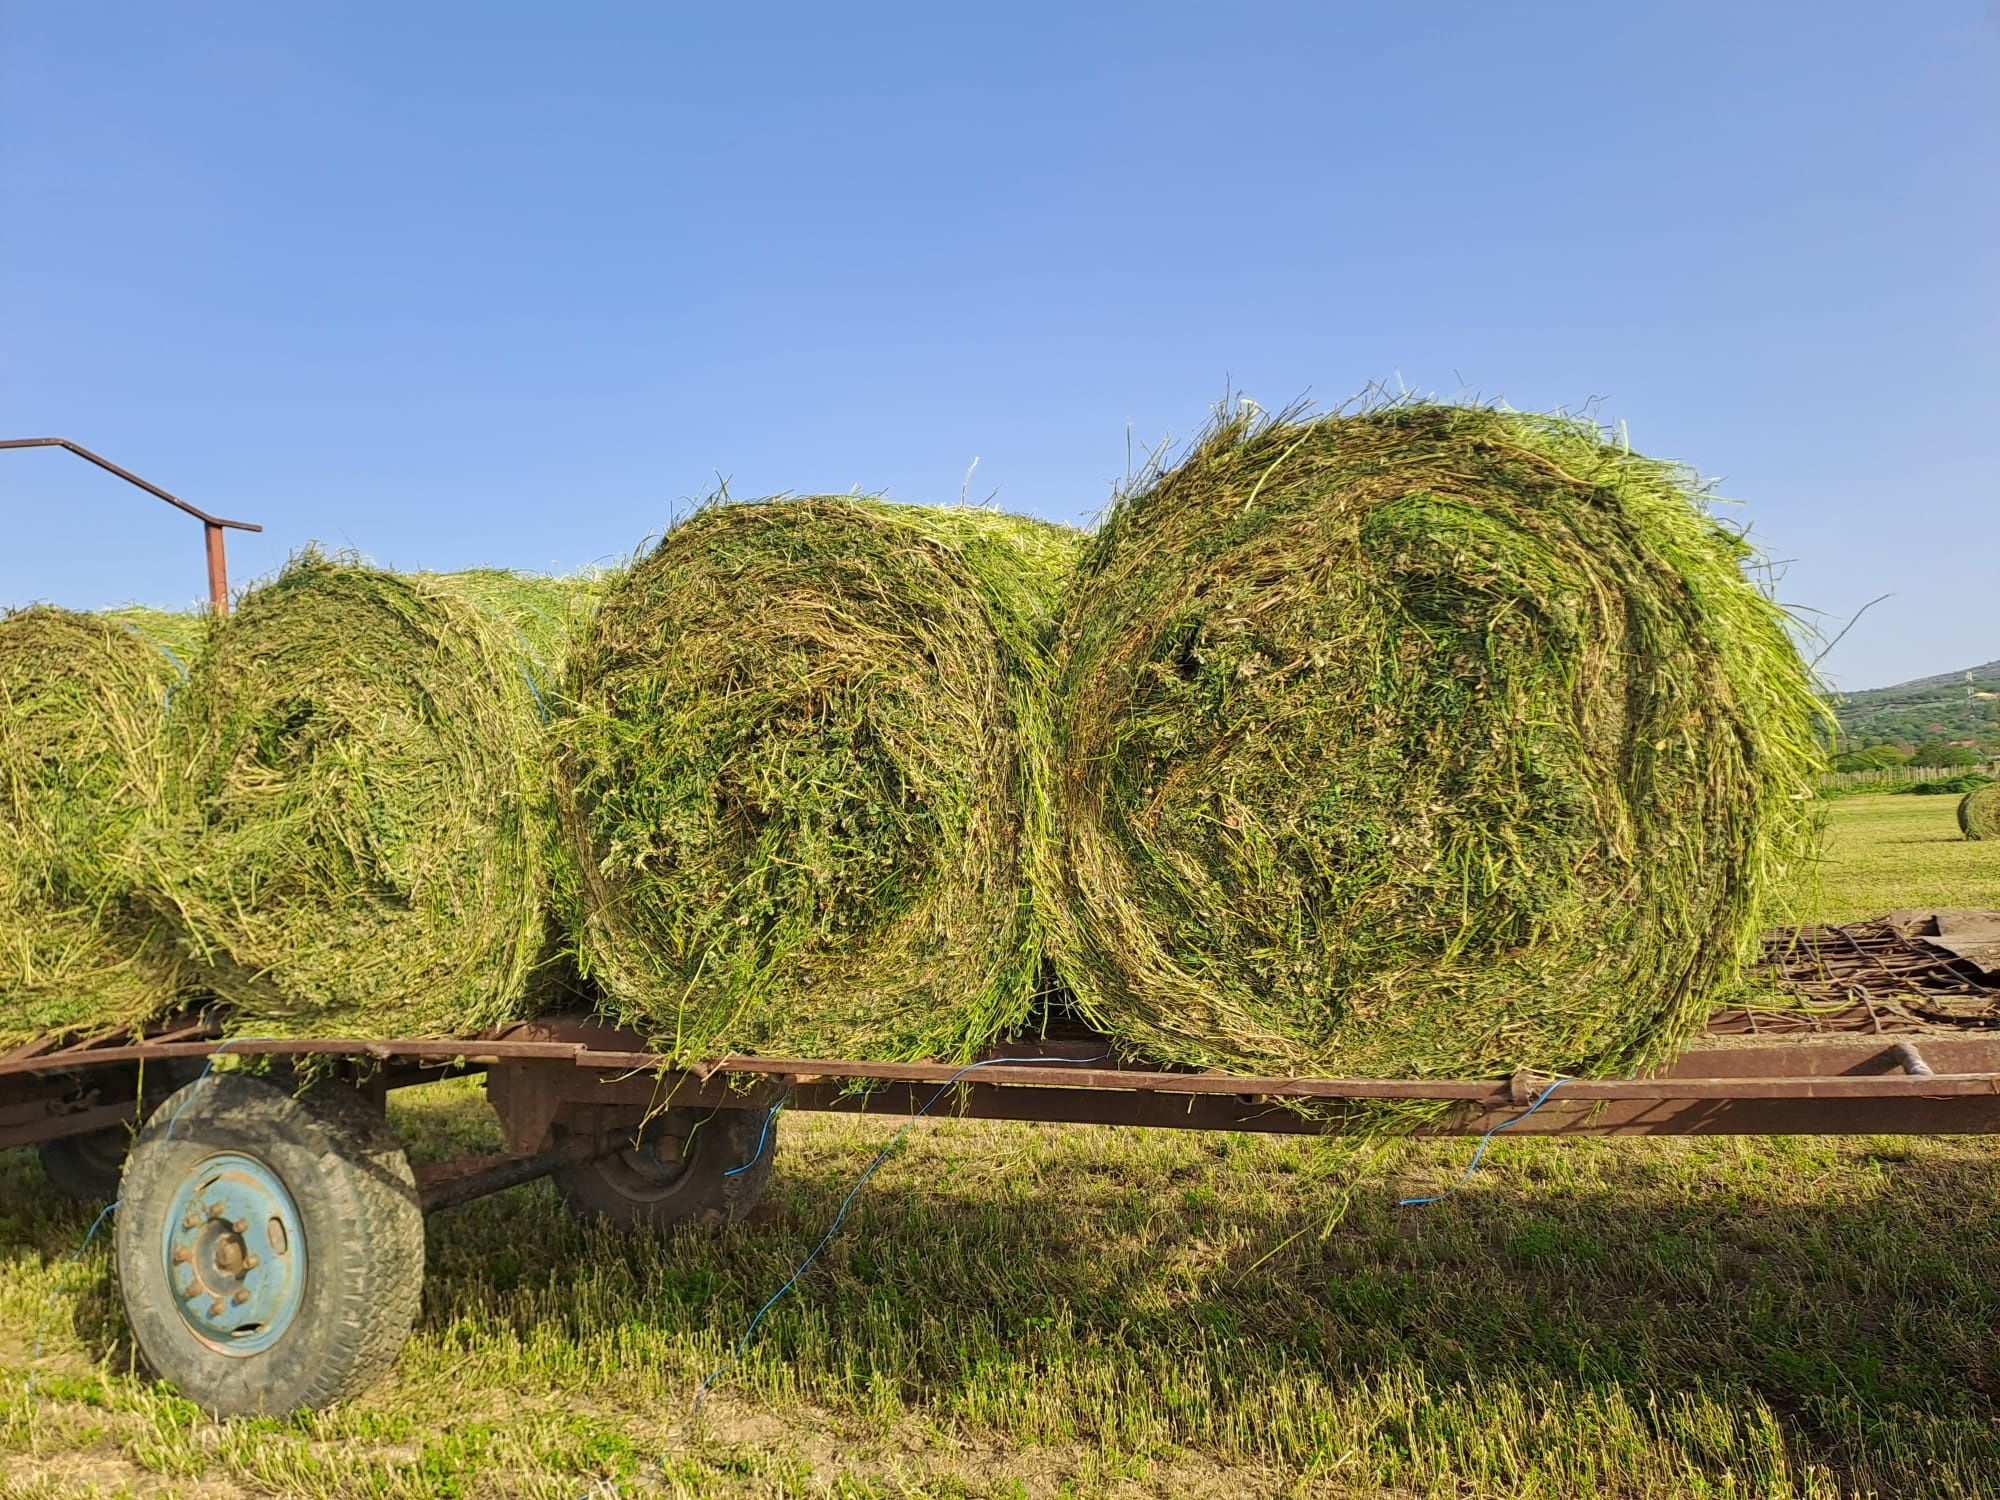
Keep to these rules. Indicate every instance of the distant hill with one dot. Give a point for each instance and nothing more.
(1950, 704)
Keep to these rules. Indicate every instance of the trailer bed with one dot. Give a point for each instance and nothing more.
(1879, 1029)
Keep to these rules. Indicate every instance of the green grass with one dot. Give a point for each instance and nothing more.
(1885, 852)
(1038, 1311)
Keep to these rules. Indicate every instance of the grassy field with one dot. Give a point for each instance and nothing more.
(1896, 850)
(1027, 1311)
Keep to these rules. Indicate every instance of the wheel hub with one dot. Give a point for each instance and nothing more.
(234, 1255)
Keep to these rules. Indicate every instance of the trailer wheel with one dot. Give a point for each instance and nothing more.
(86, 1167)
(693, 1166)
(270, 1247)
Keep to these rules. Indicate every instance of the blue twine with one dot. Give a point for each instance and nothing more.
(750, 1329)
(762, 1136)
(202, 1077)
(1473, 1165)
(174, 657)
(541, 708)
(41, 1333)
(167, 700)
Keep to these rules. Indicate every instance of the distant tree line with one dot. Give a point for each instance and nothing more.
(1935, 751)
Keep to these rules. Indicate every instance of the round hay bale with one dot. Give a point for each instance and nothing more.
(803, 758)
(1427, 741)
(1979, 812)
(364, 841)
(83, 768)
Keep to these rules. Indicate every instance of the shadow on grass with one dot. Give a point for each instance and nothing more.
(1663, 1301)
(1855, 1305)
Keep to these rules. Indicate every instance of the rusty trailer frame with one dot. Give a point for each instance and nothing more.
(1884, 1031)
(566, 1089)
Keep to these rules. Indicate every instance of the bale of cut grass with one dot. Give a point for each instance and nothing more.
(364, 838)
(804, 756)
(83, 771)
(1979, 813)
(1432, 740)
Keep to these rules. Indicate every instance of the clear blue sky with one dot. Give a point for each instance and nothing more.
(501, 283)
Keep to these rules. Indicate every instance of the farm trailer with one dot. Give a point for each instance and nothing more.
(270, 1237)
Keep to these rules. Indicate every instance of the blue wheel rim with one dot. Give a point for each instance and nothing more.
(235, 1254)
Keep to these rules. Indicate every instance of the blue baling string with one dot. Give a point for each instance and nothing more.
(763, 1135)
(202, 1078)
(41, 1334)
(167, 701)
(541, 708)
(171, 655)
(1473, 1165)
(750, 1328)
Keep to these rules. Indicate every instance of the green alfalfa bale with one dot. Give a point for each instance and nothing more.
(83, 772)
(1431, 740)
(803, 762)
(364, 839)
(1979, 813)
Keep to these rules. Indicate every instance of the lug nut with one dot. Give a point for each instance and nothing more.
(215, 1308)
(182, 1255)
(192, 1221)
(240, 1298)
(249, 1262)
(240, 1225)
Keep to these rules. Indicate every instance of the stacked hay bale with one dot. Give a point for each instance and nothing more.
(363, 842)
(83, 773)
(1427, 741)
(803, 767)
(1979, 813)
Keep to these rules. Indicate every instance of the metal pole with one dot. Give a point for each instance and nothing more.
(212, 526)
(218, 569)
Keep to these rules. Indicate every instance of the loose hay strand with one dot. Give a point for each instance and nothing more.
(363, 841)
(805, 753)
(83, 770)
(1425, 741)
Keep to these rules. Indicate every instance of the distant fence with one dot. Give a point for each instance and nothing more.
(1900, 775)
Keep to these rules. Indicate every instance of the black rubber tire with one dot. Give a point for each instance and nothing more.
(723, 1165)
(358, 1212)
(86, 1167)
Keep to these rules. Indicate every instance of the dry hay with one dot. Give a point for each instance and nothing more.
(1979, 813)
(1431, 740)
(805, 756)
(364, 840)
(83, 770)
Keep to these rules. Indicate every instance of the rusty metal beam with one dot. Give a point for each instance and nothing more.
(212, 526)
(1728, 1082)
(448, 1184)
(544, 1070)
(55, 1124)
(1781, 1116)
(1806, 1068)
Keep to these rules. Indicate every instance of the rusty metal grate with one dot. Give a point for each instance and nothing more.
(1881, 977)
